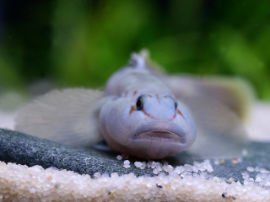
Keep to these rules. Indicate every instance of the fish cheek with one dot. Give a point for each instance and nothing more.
(113, 123)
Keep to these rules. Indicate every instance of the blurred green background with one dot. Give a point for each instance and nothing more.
(82, 42)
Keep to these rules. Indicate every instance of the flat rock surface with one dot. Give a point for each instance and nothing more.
(28, 150)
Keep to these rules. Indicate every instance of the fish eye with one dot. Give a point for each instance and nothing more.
(175, 105)
(139, 103)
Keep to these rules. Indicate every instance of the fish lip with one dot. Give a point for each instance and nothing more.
(160, 134)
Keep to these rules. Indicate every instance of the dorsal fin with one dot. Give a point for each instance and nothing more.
(138, 60)
(142, 60)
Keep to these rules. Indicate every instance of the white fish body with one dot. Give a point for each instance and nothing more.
(140, 113)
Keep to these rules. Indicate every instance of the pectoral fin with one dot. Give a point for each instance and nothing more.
(220, 131)
(219, 106)
(66, 116)
(235, 93)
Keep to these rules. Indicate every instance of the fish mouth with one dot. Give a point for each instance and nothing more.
(164, 135)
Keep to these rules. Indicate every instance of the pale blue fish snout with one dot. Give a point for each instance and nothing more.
(147, 126)
(159, 107)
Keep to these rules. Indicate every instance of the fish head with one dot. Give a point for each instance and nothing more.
(147, 126)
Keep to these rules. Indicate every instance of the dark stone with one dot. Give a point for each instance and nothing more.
(28, 150)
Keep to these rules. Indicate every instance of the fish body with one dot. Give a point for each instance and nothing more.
(143, 118)
(144, 113)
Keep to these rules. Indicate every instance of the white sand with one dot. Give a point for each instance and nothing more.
(19, 183)
(22, 183)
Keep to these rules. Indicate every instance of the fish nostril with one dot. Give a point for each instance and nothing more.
(139, 103)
